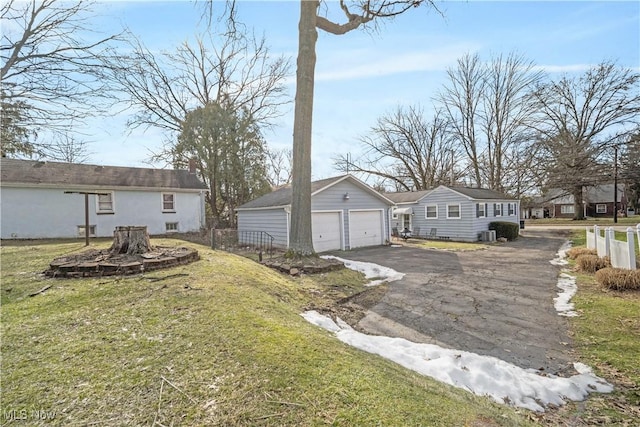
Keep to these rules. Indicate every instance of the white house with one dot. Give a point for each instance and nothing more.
(456, 213)
(47, 199)
(346, 214)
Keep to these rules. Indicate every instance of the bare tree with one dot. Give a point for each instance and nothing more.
(579, 119)
(51, 65)
(67, 148)
(491, 110)
(279, 162)
(462, 100)
(407, 150)
(232, 69)
(357, 13)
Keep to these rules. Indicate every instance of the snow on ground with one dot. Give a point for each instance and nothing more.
(563, 304)
(561, 256)
(566, 283)
(370, 270)
(482, 375)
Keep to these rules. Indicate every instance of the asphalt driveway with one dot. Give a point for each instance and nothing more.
(496, 302)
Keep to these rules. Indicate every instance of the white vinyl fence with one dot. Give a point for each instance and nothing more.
(622, 254)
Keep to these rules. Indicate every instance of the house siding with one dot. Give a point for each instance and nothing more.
(332, 199)
(272, 221)
(466, 228)
(33, 213)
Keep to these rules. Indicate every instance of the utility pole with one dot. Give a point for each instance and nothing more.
(615, 184)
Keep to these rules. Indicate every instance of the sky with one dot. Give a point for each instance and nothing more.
(363, 75)
(503, 382)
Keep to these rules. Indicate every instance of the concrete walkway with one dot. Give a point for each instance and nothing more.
(497, 301)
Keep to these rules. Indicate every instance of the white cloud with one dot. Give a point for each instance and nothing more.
(371, 63)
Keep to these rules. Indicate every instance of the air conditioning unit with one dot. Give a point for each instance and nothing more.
(488, 236)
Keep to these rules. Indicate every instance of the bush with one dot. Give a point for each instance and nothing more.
(574, 253)
(588, 263)
(508, 230)
(618, 279)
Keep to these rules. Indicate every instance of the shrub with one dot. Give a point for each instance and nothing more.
(574, 253)
(588, 263)
(618, 279)
(508, 230)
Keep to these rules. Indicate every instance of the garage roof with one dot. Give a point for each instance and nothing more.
(282, 196)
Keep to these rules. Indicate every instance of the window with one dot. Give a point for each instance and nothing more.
(512, 209)
(601, 208)
(566, 209)
(168, 202)
(431, 211)
(92, 231)
(105, 203)
(170, 226)
(481, 210)
(453, 211)
(497, 209)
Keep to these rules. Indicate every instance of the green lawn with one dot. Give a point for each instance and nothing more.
(217, 342)
(607, 337)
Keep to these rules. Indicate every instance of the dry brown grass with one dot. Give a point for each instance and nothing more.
(591, 263)
(619, 279)
(574, 253)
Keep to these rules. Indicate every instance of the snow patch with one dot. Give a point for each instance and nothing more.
(370, 270)
(562, 302)
(561, 256)
(483, 375)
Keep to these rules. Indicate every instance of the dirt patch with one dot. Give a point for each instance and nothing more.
(308, 265)
(353, 308)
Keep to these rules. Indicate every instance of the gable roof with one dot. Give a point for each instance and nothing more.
(282, 196)
(602, 193)
(407, 196)
(479, 193)
(471, 193)
(35, 173)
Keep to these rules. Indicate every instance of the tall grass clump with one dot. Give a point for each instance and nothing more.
(588, 263)
(618, 279)
(574, 253)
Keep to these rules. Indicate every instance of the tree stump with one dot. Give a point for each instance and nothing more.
(130, 240)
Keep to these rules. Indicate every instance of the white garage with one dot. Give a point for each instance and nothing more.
(326, 229)
(366, 228)
(346, 214)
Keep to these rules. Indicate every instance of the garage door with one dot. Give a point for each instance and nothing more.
(365, 228)
(327, 234)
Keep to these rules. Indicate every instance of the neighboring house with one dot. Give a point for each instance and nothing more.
(43, 199)
(597, 201)
(346, 214)
(535, 207)
(456, 213)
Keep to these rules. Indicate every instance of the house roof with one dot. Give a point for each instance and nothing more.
(472, 193)
(407, 196)
(594, 194)
(31, 172)
(282, 196)
(480, 193)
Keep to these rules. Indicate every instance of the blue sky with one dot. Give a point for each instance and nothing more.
(363, 75)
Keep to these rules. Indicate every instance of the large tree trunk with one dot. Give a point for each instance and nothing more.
(301, 243)
(131, 240)
(578, 206)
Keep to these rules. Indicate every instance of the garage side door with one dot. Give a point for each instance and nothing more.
(327, 234)
(365, 228)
